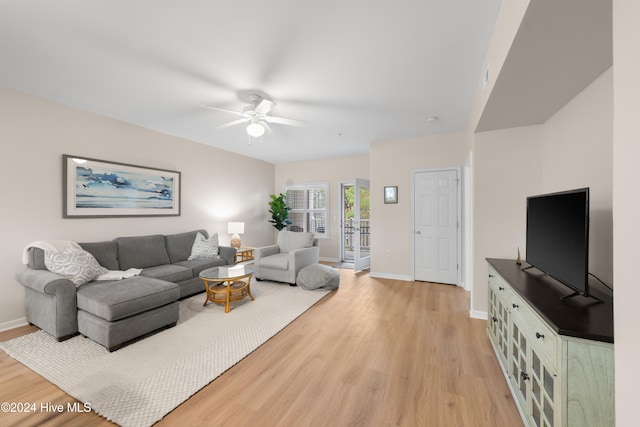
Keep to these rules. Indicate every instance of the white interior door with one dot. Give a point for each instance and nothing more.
(362, 235)
(436, 226)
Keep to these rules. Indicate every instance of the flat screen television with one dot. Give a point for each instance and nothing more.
(558, 237)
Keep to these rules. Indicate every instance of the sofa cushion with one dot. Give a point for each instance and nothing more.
(179, 245)
(290, 240)
(141, 251)
(123, 298)
(204, 248)
(278, 261)
(169, 272)
(76, 264)
(197, 265)
(106, 253)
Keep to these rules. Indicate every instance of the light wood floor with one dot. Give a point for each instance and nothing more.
(377, 352)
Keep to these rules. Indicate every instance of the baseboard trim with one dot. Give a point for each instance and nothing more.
(12, 324)
(476, 314)
(390, 276)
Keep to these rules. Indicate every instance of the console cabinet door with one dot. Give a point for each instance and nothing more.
(518, 367)
(543, 391)
(499, 318)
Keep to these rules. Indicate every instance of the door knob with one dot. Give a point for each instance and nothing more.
(418, 232)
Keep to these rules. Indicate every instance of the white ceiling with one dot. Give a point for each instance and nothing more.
(357, 71)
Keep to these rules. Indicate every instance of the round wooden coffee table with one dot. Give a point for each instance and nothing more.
(224, 284)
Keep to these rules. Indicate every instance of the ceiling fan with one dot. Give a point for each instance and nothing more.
(257, 115)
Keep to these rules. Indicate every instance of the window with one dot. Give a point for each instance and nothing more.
(309, 205)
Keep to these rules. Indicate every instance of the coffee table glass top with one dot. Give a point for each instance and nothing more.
(227, 272)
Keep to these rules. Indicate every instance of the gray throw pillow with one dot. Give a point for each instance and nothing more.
(76, 264)
(205, 248)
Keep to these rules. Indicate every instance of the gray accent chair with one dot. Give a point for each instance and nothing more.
(282, 262)
(115, 312)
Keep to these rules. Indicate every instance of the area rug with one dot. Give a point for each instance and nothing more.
(142, 382)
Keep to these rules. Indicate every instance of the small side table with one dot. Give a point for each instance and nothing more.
(224, 284)
(244, 254)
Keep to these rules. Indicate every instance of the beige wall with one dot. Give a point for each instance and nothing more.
(507, 25)
(572, 149)
(392, 163)
(507, 169)
(626, 204)
(334, 171)
(578, 153)
(217, 186)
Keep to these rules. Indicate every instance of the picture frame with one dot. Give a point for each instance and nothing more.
(93, 188)
(391, 194)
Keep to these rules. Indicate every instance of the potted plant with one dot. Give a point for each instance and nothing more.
(279, 211)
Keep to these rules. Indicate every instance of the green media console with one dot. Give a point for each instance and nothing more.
(557, 355)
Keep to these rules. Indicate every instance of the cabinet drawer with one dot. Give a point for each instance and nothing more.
(539, 334)
(499, 286)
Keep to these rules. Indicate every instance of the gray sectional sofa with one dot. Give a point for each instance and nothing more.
(114, 312)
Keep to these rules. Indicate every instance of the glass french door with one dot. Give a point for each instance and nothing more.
(362, 227)
(356, 231)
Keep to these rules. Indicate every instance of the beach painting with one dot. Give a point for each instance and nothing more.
(98, 188)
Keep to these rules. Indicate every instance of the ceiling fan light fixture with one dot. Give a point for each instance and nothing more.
(255, 129)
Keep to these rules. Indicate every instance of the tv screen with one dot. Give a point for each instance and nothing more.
(558, 236)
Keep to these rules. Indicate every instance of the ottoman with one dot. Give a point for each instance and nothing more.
(112, 313)
(318, 276)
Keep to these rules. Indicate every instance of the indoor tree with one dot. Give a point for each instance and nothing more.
(279, 211)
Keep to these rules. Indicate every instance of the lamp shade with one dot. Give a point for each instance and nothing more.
(236, 227)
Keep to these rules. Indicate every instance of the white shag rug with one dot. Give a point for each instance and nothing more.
(142, 382)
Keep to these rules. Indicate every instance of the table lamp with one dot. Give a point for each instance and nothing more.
(235, 228)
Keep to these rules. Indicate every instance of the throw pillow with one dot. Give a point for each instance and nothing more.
(76, 264)
(204, 248)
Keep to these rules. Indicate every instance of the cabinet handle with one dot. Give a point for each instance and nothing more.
(491, 275)
(500, 288)
(514, 305)
(495, 319)
(539, 335)
(524, 375)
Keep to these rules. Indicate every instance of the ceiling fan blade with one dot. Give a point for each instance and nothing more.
(224, 110)
(264, 106)
(284, 121)
(267, 127)
(233, 123)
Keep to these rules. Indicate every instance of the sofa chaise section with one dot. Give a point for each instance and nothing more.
(112, 311)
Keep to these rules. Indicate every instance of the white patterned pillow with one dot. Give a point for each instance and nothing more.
(204, 248)
(75, 263)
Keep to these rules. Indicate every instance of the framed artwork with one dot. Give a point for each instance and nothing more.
(391, 194)
(97, 189)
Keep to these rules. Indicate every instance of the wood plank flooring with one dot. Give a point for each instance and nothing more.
(377, 352)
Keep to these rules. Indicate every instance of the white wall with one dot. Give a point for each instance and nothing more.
(217, 186)
(626, 206)
(334, 171)
(392, 163)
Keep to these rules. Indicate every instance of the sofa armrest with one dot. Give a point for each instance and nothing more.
(302, 257)
(46, 282)
(228, 254)
(265, 251)
(50, 302)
